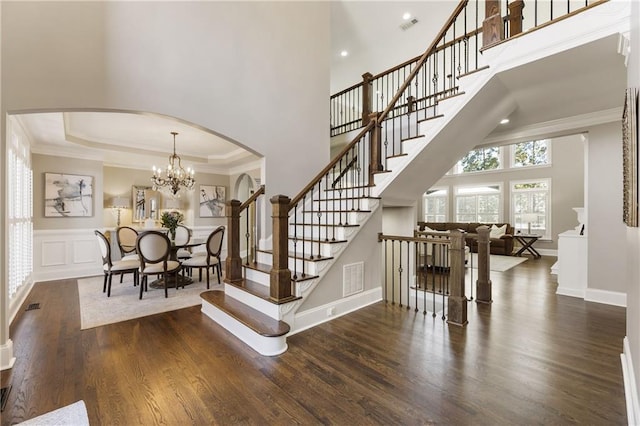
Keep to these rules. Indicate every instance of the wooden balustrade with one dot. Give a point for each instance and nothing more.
(280, 273)
(483, 284)
(233, 211)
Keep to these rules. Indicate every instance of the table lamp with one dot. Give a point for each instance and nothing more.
(529, 218)
(119, 203)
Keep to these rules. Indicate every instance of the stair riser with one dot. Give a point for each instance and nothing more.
(254, 302)
(332, 218)
(257, 276)
(363, 204)
(322, 232)
(326, 250)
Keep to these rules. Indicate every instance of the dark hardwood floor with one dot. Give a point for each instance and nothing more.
(531, 357)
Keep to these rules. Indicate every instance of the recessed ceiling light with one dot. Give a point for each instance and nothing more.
(344, 53)
(406, 16)
(504, 121)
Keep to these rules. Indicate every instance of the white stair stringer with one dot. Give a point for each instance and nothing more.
(304, 288)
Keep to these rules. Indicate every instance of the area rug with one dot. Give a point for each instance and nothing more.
(499, 263)
(97, 309)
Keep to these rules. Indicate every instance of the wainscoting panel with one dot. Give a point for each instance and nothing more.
(54, 253)
(65, 253)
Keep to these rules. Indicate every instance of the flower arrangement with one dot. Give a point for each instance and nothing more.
(171, 220)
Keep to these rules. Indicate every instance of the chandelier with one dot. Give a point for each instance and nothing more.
(175, 176)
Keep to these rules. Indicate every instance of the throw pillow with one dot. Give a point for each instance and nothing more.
(497, 232)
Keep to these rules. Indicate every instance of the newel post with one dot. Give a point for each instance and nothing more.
(483, 284)
(457, 311)
(375, 148)
(367, 97)
(515, 17)
(280, 288)
(233, 262)
(492, 26)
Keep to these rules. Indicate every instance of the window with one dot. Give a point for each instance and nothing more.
(532, 153)
(531, 206)
(20, 213)
(480, 160)
(436, 205)
(478, 203)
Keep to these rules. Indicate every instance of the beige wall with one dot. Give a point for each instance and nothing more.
(567, 185)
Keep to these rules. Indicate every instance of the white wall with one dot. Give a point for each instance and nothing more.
(607, 269)
(255, 72)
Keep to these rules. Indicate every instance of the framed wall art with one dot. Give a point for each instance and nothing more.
(212, 199)
(68, 195)
(630, 158)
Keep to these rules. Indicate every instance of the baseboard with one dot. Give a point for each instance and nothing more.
(18, 299)
(6, 355)
(569, 291)
(312, 317)
(548, 252)
(607, 297)
(43, 276)
(630, 389)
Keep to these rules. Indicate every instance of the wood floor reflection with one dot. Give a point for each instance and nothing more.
(531, 357)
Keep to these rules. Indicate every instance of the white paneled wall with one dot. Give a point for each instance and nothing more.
(65, 253)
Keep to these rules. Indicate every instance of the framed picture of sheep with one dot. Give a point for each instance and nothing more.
(630, 159)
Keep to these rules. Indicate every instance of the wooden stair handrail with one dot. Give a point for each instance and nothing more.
(329, 166)
(253, 197)
(423, 58)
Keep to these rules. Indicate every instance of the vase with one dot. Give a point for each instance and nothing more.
(172, 234)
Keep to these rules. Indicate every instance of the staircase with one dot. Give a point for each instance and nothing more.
(390, 158)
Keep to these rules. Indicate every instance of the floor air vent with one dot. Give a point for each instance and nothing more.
(4, 396)
(33, 306)
(352, 279)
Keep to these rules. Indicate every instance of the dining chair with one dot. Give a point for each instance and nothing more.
(183, 236)
(153, 249)
(212, 257)
(126, 237)
(114, 267)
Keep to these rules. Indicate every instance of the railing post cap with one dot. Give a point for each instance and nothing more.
(234, 202)
(280, 199)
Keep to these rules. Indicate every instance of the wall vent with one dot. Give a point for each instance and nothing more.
(352, 279)
(33, 306)
(406, 25)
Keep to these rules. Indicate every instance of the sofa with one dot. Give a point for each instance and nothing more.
(502, 244)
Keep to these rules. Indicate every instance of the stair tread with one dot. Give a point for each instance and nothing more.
(411, 138)
(397, 155)
(299, 256)
(329, 225)
(255, 320)
(291, 237)
(349, 198)
(431, 118)
(344, 188)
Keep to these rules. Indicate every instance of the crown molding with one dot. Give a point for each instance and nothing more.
(554, 128)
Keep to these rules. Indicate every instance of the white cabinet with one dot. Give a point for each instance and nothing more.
(572, 264)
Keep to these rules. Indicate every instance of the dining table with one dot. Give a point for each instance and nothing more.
(173, 255)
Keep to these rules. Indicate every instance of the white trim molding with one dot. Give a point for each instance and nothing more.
(6, 355)
(65, 253)
(607, 297)
(312, 317)
(630, 389)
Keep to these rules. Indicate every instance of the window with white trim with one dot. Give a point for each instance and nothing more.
(480, 160)
(531, 153)
(19, 213)
(478, 203)
(436, 205)
(531, 207)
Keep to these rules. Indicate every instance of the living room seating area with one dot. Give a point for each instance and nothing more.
(501, 234)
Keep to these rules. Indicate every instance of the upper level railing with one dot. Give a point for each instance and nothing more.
(485, 23)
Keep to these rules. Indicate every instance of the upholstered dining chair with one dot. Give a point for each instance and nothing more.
(211, 260)
(126, 237)
(153, 249)
(114, 267)
(183, 236)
